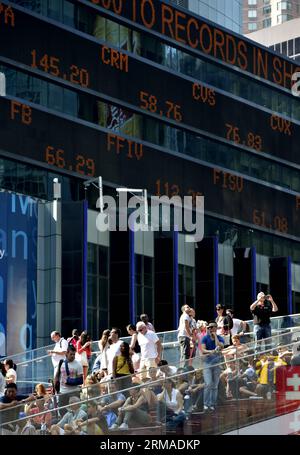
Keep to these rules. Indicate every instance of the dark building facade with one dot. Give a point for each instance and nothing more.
(148, 97)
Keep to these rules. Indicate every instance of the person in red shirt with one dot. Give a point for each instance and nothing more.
(84, 352)
(74, 338)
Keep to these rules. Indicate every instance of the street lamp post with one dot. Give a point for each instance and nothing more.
(56, 196)
(143, 198)
(89, 182)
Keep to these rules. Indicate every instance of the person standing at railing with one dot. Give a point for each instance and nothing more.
(134, 346)
(74, 338)
(239, 327)
(212, 344)
(224, 323)
(114, 348)
(184, 333)
(194, 331)
(11, 374)
(262, 309)
(84, 352)
(60, 349)
(151, 348)
(122, 366)
(68, 377)
(103, 345)
(145, 319)
(202, 331)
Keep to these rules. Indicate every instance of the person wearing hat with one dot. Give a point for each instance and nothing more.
(262, 309)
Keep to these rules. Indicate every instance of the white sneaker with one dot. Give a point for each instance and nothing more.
(123, 426)
(114, 426)
(205, 408)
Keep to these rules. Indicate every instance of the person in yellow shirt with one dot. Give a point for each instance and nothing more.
(123, 367)
(267, 374)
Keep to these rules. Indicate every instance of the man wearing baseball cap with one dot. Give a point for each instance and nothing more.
(262, 309)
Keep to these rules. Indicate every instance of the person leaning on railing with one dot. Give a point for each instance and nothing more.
(8, 403)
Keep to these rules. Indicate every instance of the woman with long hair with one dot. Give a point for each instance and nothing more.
(225, 324)
(134, 346)
(122, 366)
(10, 368)
(103, 344)
(172, 404)
(84, 352)
(43, 402)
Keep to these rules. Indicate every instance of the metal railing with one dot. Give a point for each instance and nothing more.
(36, 366)
(231, 415)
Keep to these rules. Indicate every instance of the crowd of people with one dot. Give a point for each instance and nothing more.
(130, 385)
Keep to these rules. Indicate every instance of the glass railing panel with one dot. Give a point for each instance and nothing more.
(245, 395)
(36, 366)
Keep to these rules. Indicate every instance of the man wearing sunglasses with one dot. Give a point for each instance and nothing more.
(212, 344)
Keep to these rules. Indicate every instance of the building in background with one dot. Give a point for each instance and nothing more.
(260, 14)
(284, 38)
(227, 13)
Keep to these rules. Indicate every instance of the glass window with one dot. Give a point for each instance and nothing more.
(283, 18)
(267, 22)
(252, 13)
(267, 10)
(144, 284)
(189, 274)
(291, 46)
(103, 261)
(252, 26)
(181, 279)
(252, 2)
(284, 48)
(103, 294)
(148, 272)
(284, 6)
(92, 292)
(91, 259)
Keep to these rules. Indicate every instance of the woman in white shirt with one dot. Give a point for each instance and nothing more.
(103, 344)
(172, 401)
(11, 375)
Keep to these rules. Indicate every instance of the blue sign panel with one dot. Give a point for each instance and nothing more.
(18, 273)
